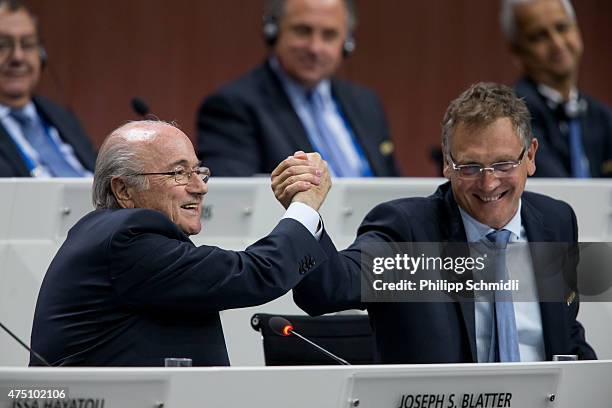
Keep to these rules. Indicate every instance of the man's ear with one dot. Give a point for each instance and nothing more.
(446, 170)
(122, 193)
(531, 152)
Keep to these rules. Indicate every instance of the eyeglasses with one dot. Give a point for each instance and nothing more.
(182, 176)
(27, 45)
(500, 169)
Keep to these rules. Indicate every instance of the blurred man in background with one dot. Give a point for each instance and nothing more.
(293, 101)
(37, 137)
(573, 129)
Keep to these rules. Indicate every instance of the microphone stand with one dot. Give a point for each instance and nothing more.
(38, 356)
(321, 349)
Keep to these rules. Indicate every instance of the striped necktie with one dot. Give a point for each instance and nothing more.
(49, 153)
(324, 140)
(504, 337)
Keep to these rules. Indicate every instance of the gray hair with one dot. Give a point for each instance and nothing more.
(120, 157)
(275, 10)
(508, 22)
(482, 104)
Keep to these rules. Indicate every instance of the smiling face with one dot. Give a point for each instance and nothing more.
(548, 43)
(165, 150)
(489, 199)
(310, 40)
(20, 62)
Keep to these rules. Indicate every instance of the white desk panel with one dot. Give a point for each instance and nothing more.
(35, 216)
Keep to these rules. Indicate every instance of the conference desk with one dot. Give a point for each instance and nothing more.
(522, 385)
(35, 216)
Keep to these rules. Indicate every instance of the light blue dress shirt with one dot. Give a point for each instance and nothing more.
(527, 314)
(29, 154)
(335, 121)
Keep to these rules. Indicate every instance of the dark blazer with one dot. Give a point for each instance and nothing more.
(553, 158)
(128, 288)
(249, 126)
(69, 129)
(437, 332)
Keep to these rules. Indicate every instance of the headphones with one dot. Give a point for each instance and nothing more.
(270, 31)
(42, 54)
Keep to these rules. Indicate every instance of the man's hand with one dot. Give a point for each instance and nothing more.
(303, 178)
(315, 195)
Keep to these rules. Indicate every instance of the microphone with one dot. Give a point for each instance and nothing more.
(35, 354)
(283, 327)
(140, 107)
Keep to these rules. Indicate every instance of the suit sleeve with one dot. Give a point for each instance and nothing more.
(227, 137)
(152, 271)
(337, 284)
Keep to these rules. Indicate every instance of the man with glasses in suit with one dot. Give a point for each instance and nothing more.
(129, 288)
(37, 137)
(489, 152)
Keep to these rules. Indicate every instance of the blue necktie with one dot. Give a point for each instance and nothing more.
(504, 338)
(580, 165)
(48, 152)
(324, 141)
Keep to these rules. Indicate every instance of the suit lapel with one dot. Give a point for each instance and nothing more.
(11, 153)
(556, 139)
(590, 137)
(282, 111)
(60, 124)
(367, 142)
(552, 313)
(456, 234)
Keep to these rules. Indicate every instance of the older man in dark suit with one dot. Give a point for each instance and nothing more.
(489, 153)
(293, 101)
(574, 129)
(129, 288)
(37, 137)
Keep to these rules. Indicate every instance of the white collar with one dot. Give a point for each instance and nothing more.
(554, 97)
(476, 230)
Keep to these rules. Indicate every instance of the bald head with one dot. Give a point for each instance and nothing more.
(127, 151)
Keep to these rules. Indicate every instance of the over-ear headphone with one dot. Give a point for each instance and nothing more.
(270, 30)
(42, 54)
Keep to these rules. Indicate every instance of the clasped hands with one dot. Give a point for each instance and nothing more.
(303, 177)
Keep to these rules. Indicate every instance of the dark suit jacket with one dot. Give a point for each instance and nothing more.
(69, 129)
(437, 332)
(249, 126)
(553, 158)
(128, 288)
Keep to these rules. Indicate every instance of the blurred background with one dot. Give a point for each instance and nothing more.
(416, 55)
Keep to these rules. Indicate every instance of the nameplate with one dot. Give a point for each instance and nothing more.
(487, 388)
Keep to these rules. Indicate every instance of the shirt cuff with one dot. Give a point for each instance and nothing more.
(307, 216)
